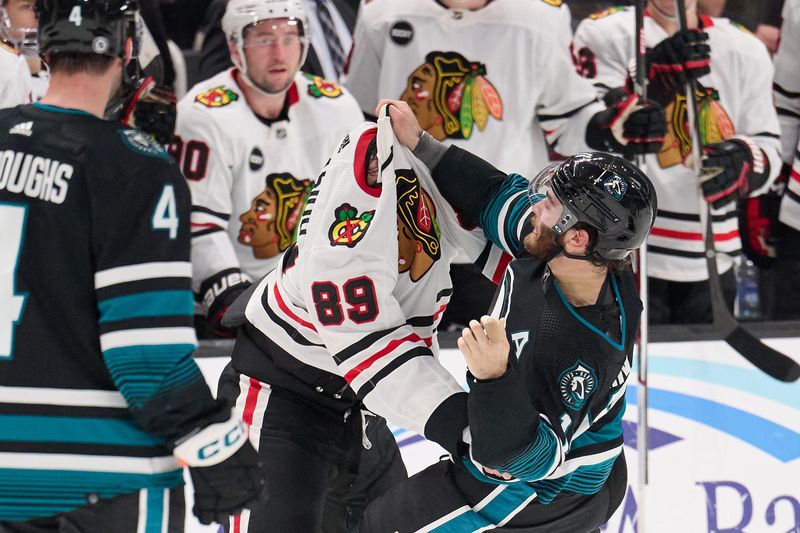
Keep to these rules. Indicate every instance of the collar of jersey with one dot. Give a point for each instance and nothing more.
(622, 330)
(64, 110)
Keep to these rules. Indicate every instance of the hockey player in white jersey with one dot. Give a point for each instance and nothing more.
(739, 132)
(349, 318)
(494, 77)
(787, 100)
(250, 141)
(16, 82)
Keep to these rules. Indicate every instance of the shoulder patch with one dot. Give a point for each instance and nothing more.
(554, 3)
(217, 97)
(349, 227)
(141, 143)
(319, 87)
(576, 384)
(606, 12)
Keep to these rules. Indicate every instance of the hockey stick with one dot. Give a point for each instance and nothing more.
(769, 360)
(642, 440)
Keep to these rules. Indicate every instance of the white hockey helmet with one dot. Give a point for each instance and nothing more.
(241, 14)
(26, 40)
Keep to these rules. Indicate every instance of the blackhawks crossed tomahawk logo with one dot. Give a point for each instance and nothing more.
(349, 227)
(450, 96)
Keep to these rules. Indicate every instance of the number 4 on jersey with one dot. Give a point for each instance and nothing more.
(165, 216)
(12, 226)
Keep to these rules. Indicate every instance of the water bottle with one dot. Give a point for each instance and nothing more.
(748, 302)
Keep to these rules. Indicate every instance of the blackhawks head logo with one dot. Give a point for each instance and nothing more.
(319, 87)
(216, 97)
(349, 227)
(450, 96)
(715, 126)
(268, 227)
(418, 234)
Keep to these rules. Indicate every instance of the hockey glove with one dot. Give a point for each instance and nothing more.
(152, 110)
(224, 468)
(219, 292)
(731, 169)
(758, 221)
(627, 127)
(683, 57)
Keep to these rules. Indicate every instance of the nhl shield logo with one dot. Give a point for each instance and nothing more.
(576, 384)
(616, 187)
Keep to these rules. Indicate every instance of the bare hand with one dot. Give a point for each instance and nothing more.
(485, 347)
(496, 473)
(404, 123)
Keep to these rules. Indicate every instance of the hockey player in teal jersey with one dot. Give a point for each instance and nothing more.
(100, 399)
(548, 369)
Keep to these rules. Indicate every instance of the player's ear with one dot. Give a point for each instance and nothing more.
(235, 58)
(576, 241)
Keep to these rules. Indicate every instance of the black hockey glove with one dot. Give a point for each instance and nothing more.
(152, 110)
(758, 222)
(224, 468)
(218, 293)
(674, 61)
(626, 127)
(731, 169)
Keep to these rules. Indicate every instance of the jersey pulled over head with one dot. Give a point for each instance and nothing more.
(23, 35)
(604, 192)
(270, 41)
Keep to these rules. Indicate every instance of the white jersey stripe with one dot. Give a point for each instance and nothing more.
(48, 396)
(147, 337)
(89, 463)
(158, 269)
(142, 524)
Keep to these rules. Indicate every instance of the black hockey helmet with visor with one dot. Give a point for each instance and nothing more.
(87, 26)
(605, 192)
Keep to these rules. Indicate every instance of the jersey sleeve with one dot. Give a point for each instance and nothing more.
(787, 81)
(487, 197)
(757, 118)
(209, 174)
(144, 297)
(362, 69)
(564, 109)
(596, 58)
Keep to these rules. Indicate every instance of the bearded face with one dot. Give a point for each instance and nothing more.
(541, 242)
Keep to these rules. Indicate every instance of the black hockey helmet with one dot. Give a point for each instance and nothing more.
(604, 191)
(87, 26)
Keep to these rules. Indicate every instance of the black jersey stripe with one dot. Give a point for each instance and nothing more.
(789, 94)
(206, 231)
(81, 448)
(143, 285)
(769, 134)
(592, 449)
(363, 344)
(568, 114)
(444, 293)
(397, 362)
(685, 254)
(74, 411)
(201, 209)
(787, 113)
(295, 335)
(177, 321)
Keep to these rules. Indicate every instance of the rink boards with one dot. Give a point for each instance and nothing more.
(724, 443)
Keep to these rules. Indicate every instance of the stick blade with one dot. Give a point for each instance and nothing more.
(770, 361)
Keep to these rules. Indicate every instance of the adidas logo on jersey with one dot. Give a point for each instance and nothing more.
(23, 128)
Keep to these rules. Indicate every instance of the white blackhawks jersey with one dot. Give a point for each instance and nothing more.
(361, 294)
(249, 177)
(16, 83)
(495, 81)
(735, 98)
(787, 100)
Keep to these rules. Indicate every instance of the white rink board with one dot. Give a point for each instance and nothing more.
(724, 444)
